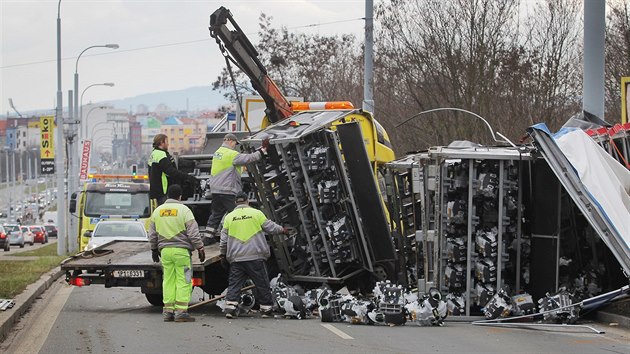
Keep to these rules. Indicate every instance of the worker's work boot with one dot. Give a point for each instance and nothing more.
(168, 316)
(211, 236)
(230, 309)
(183, 316)
(266, 311)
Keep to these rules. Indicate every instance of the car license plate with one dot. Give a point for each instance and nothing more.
(128, 274)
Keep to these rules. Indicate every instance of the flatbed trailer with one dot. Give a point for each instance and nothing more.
(129, 264)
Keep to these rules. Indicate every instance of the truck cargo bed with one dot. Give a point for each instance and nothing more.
(128, 255)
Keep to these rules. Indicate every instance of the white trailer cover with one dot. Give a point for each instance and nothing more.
(592, 177)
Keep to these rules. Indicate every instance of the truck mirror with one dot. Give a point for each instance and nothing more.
(87, 233)
(73, 203)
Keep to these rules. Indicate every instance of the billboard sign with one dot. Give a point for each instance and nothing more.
(47, 147)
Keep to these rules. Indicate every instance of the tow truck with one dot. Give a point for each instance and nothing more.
(320, 178)
(113, 196)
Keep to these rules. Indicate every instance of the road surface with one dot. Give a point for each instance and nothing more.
(119, 320)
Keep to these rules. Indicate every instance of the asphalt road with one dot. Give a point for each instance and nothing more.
(119, 320)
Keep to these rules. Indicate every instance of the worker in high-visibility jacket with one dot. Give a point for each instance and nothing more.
(245, 248)
(225, 177)
(163, 172)
(173, 235)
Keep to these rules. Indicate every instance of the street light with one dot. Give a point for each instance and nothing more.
(73, 181)
(88, 115)
(62, 246)
(109, 84)
(13, 107)
(94, 129)
(76, 74)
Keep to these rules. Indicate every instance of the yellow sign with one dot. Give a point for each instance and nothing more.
(47, 148)
(168, 212)
(625, 99)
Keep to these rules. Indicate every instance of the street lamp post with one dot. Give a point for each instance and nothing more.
(76, 76)
(62, 236)
(94, 129)
(83, 135)
(8, 188)
(73, 181)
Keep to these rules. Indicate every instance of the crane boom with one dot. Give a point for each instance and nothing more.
(243, 54)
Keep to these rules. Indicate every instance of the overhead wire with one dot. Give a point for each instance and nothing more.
(164, 45)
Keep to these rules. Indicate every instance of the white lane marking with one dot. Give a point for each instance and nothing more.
(44, 322)
(336, 331)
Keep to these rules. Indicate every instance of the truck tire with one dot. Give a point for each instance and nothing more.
(154, 299)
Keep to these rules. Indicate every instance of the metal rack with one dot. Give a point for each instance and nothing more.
(467, 212)
(304, 183)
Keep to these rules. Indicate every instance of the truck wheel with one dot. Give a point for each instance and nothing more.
(155, 299)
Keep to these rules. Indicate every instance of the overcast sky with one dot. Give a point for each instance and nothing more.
(164, 45)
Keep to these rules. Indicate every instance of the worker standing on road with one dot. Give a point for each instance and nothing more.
(244, 246)
(163, 172)
(225, 178)
(173, 235)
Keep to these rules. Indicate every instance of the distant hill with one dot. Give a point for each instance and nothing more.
(199, 98)
(193, 98)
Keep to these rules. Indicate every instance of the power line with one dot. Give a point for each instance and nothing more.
(166, 45)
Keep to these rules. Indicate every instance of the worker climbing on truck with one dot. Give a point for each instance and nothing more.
(173, 235)
(163, 172)
(225, 178)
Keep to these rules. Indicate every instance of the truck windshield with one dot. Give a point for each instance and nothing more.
(117, 203)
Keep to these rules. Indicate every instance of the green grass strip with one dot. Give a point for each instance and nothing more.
(16, 275)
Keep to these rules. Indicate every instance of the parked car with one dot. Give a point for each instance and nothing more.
(29, 237)
(5, 244)
(16, 236)
(114, 230)
(51, 229)
(39, 232)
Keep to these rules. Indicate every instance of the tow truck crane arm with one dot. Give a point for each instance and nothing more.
(243, 54)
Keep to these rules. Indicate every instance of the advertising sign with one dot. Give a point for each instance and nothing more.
(47, 148)
(85, 160)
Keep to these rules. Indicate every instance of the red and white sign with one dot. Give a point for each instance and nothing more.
(85, 160)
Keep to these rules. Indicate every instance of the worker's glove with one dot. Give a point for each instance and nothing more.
(155, 254)
(265, 144)
(202, 254)
(224, 262)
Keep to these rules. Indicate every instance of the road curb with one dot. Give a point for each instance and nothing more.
(607, 318)
(24, 300)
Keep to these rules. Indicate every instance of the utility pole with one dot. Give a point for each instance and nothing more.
(62, 236)
(594, 36)
(368, 58)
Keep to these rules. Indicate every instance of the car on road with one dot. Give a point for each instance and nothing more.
(29, 237)
(16, 236)
(115, 230)
(39, 232)
(5, 243)
(51, 229)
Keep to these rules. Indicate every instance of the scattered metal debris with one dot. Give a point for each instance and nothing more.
(6, 304)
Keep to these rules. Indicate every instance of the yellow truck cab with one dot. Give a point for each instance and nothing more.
(110, 200)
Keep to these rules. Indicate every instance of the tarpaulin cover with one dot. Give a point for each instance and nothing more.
(605, 180)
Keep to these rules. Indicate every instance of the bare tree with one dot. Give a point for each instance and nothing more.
(469, 54)
(553, 44)
(318, 68)
(617, 55)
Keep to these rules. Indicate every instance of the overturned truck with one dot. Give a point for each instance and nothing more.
(476, 220)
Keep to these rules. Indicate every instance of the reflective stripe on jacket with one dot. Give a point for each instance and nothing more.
(226, 169)
(157, 178)
(242, 237)
(173, 225)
